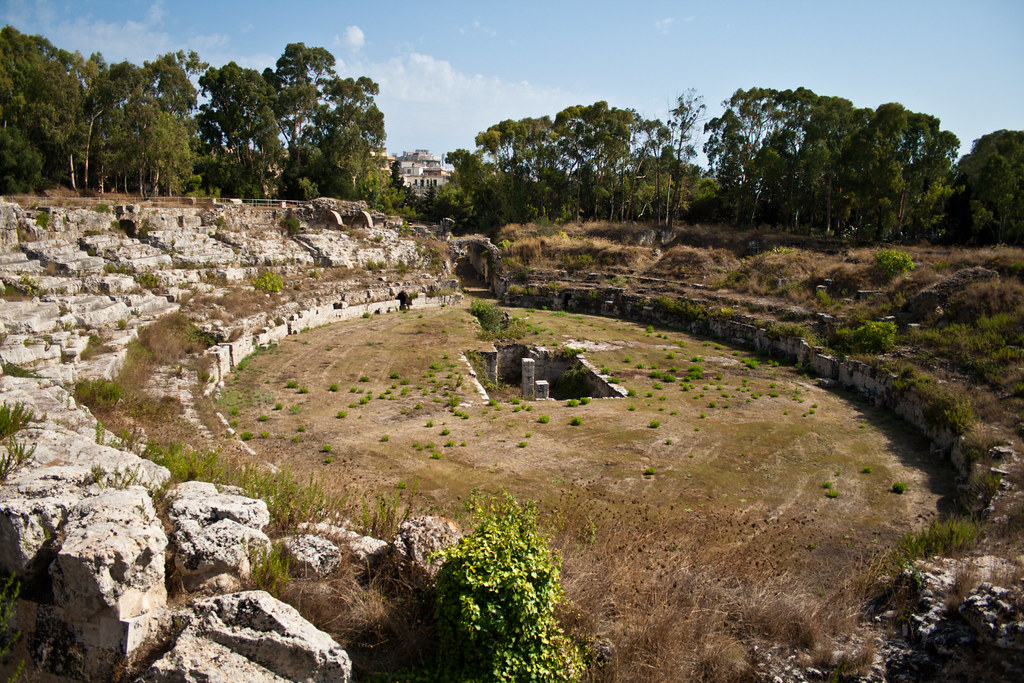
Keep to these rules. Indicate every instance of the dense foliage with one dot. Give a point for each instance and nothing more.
(793, 159)
(295, 131)
(496, 595)
(790, 159)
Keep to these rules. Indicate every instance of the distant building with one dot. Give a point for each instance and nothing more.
(422, 170)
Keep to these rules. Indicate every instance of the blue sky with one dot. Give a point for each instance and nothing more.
(448, 69)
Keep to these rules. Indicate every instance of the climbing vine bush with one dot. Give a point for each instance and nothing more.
(496, 595)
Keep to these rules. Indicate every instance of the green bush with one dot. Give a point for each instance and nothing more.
(496, 596)
(268, 282)
(98, 393)
(871, 337)
(899, 487)
(893, 262)
(488, 313)
(13, 418)
(291, 225)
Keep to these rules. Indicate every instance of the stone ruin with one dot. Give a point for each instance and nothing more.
(544, 374)
(79, 528)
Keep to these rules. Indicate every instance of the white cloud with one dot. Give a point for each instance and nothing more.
(134, 40)
(663, 25)
(427, 101)
(354, 38)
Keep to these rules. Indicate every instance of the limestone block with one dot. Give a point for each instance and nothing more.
(32, 513)
(367, 549)
(112, 557)
(215, 532)
(251, 634)
(201, 502)
(418, 537)
(217, 554)
(312, 555)
(29, 317)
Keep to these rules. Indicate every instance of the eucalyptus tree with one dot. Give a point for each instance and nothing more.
(239, 128)
(994, 171)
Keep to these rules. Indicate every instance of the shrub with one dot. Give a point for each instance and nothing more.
(893, 262)
(270, 569)
(576, 421)
(245, 436)
(496, 595)
(871, 337)
(13, 457)
(333, 387)
(544, 419)
(940, 538)
(899, 487)
(268, 282)
(291, 225)
(650, 471)
(98, 393)
(13, 418)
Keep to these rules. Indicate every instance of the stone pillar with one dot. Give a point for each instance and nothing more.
(491, 366)
(543, 390)
(528, 382)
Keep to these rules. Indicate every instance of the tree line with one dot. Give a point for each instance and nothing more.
(791, 160)
(296, 131)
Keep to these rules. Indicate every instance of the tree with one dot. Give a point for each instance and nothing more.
(994, 171)
(239, 128)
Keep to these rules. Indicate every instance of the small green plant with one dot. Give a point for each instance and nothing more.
(341, 414)
(576, 421)
(832, 493)
(572, 403)
(271, 569)
(245, 436)
(650, 471)
(385, 438)
(893, 262)
(866, 469)
(278, 406)
(263, 418)
(364, 378)
(333, 387)
(294, 410)
(544, 419)
(522, 444)
(292, 384)
(300, 428)
(328, 460)
(326, 448)
(268, 282)
(899, 487)
(654, 424)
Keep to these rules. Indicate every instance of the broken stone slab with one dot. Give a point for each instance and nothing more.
(366, 549)
(250, 634)
(98, 311)
(29, 317)
(991, 612)
(29, 353)
(112, 557)
(418, 538)
(312, 555)
(215, 533)
(216, 557)
(33, 510)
